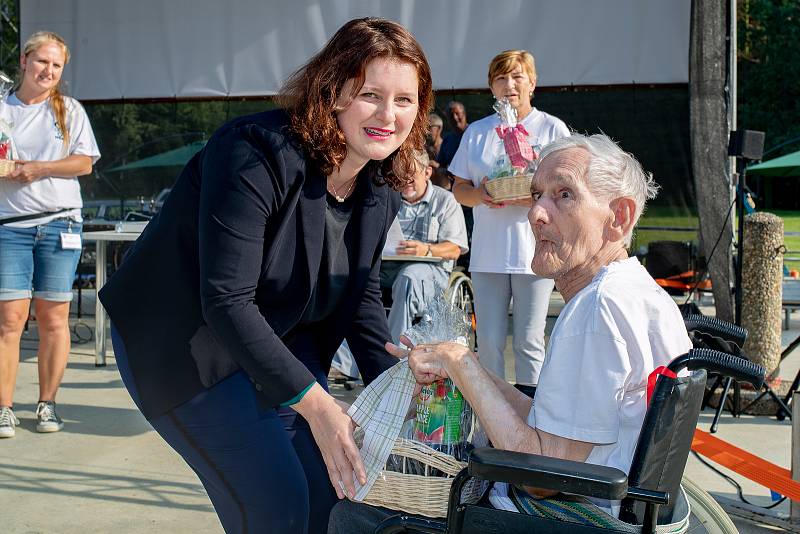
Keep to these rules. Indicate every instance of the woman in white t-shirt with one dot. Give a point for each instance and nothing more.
(52, 143)
(502, 244)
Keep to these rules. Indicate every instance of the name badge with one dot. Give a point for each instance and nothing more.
(70, 241)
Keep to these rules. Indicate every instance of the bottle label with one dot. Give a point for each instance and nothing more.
(440, 407)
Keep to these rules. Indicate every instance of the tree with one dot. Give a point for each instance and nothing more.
(9, 37)
(769, 70)
(709, 132)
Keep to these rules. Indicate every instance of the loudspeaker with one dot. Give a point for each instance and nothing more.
(747, 144)
(668, 258)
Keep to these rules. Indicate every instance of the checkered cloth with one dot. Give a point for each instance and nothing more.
(380, 411)
(515, 141)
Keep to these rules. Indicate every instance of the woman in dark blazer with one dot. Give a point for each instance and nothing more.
(266, 255)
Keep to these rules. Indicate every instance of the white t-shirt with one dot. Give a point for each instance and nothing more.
(35, 137)
(502, 241)
(606, 342)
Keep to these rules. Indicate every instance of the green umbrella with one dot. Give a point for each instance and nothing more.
(171, 158)
(788, 165)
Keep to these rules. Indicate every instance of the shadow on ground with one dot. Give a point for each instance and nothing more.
(115, 488)
(90, 420)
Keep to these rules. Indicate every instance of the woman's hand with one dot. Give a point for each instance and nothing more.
(27, 172)
(526, 202)
(333, 429)
(486, 198)
(344, 406)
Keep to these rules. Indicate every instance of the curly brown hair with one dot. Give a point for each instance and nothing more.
(310, 94)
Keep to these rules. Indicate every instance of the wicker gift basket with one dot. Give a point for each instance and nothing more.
(421, 494)
(512, 171)
(417, 467)
(510, 187)
(7, 164)
(6, 167)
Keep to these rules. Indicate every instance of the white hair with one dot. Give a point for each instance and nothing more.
(611, 172)
(422, 158)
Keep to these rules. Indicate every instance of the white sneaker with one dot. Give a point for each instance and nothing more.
(8, 423)
(49, 421)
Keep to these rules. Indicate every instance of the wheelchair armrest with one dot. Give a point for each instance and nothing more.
(548, 473)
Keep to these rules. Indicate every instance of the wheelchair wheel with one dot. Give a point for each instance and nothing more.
(461, 295)
(707, 515)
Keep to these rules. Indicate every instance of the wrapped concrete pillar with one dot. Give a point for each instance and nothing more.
(762, 278)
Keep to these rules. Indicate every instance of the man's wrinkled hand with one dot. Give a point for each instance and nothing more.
(411, 247)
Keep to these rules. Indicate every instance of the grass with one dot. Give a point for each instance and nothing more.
(791, 223)
(660, 217)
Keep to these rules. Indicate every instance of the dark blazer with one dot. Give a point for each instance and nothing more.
(225, 270)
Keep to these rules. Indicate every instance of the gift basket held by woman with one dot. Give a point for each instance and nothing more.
(6, 153)
(511, 174)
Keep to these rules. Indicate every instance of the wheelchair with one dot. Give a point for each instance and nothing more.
(461, 295)
(650, 494)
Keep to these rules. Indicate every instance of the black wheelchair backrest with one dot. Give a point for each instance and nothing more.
(664, 442)
(668, 428)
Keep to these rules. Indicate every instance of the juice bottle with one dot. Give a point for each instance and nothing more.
(439, 411)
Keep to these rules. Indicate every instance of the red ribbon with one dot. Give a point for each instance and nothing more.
(652, 377)
(503, 129)
(515, 141)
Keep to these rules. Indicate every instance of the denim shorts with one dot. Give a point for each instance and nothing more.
(33, 264)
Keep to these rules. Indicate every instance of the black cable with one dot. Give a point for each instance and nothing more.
(736, 484)
(79, 339)
(76, 338)
(711, 255)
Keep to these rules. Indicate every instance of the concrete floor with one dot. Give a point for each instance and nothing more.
(107, 471)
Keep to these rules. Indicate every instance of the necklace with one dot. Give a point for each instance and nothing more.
(338, 195)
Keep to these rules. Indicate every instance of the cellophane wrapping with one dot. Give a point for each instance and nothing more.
(440, 417)
(6, 144)
(519, 157)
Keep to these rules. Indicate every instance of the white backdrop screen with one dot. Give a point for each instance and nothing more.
(209, 48)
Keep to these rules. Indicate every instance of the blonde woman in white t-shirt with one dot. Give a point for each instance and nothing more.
(40, 221)
(502, 245)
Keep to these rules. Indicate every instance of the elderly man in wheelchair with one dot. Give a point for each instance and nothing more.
(617, 328)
